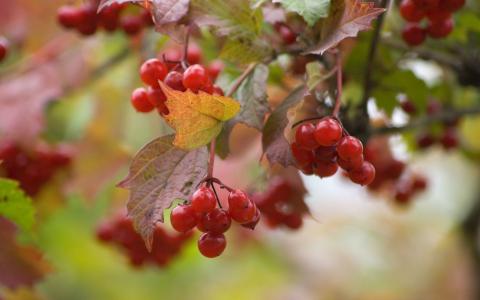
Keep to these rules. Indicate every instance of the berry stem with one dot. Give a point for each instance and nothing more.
(338, 101)
(216, 195)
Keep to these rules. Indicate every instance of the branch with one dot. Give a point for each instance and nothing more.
(367, 83)
(427, 120)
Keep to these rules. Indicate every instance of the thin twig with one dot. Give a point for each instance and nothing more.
(443, 116)
(370, 65)
(240, 79)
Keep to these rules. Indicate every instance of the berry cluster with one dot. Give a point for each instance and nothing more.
(86, 21)
(213, 221)
(173, 72)
(286, 33)
(281, 204)
(3, 48)
(32, 169)
(120, 231)
(392, 174)
(439, 16)
(322, 148)
(448, 138)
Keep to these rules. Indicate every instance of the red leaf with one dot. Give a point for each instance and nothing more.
(346, 19)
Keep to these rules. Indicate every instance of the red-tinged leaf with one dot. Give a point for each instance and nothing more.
(158, 175)
(169, 11)
(346, 19)
(275, 145)
(105, 3)
(19, 265)
(23, 98)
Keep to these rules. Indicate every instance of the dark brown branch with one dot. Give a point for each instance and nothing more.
(444, 116)
(370, 63)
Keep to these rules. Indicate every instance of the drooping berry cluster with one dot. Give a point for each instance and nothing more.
(119, 231)
(86, 21)
(213, 221)
(320, 149)
(170, 70)
(438, 13)
(392, 174)
(32, 168)
(3, 48)
(281, 204)
(447, 138)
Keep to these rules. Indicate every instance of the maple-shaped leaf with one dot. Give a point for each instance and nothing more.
(346, 19)
(197, 118)
(169, 11)
(105, 3)
(275, 145)
(310, 10)
(159, 174)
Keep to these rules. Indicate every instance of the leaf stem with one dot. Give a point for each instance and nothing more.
(338, 101)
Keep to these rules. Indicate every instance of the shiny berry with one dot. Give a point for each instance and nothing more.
(413, 34)
(363, 175)
(240, 207)
(328, 132)
(348, 165)
(174, 80)
(140, 100)
(411, 12)
(195, 77)
(216, 221)
(212, 244)
(203, 200)
(350, 148)
(304, 136)
(183, 218)
(152, 71)
(325, 169)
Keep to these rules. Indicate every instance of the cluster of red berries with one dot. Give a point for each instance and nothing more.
(3, 48)
(120, 231)
(31, 168)
(170, 70)
(286, 33)
(321, 149)
(438, 13)
(213, 221)
(392, 174)
(448, 138)
(86, 21)
(281, 205)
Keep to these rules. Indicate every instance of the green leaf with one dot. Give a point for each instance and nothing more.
(15, 205)
(310, 10)
(244, 51)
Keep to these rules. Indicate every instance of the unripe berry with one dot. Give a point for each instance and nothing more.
(328, 132)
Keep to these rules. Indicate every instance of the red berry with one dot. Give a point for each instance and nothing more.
(194, 54)
(411, 12)
(217, 90)
(195, 77)
(152, 71)
(325, 169)
(183, 218)
(172, 57)
(240, 207)
(420, 184)
(451, 5)
(157, 98)
(212, 244)
(147, 17)
(440, 29)
(131, 25)
(251, 225)
(214, 68)
(348, 165)
(140, 101)
(304, 136)
(294, 221)
(408, 107)
(288, 36)
(426, 4)
(216, 221)
(174, 81)
(87, 19)
(425, 140)
(438, 15)
(3, 48)
(105, 232)
(363, 175)
(325, 153)
(203, 200)
(109, 17)
(413, 34)
(307, 170)
(403, 194)
(350, 148)
(302, 156)
(328, 132)
(69, 16)
(449, 139)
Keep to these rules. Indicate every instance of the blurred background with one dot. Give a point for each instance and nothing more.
(72, 93)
